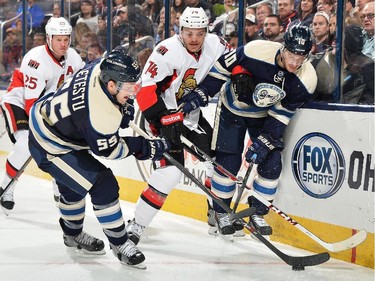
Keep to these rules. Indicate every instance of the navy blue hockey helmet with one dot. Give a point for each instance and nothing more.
(297, 39)
(119, 67)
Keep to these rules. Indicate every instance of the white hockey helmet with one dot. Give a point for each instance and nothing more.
(194, 18)
(58, 26)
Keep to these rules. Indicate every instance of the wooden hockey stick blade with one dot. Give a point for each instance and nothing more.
(347, 244)
(242, 214)
(290, 260)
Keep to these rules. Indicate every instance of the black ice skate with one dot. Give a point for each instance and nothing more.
(7, 200)
(224, 225)
(85, 243)
(260, 224)
(129, 254)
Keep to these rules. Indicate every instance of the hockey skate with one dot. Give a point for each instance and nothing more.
(7, 200)
(212, 229)
(135, 231)
(85, 243)
(129, 254)
(224, 226)
(260, 224)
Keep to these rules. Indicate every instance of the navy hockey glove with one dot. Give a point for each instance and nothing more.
(153, 149)
(127, 111)
(196, 98)
(172, 126)
(261, 148)
(243, 84)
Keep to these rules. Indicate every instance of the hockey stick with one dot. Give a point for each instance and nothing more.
(20, 171)
(346, 244)
(241, 187)
(295, 262)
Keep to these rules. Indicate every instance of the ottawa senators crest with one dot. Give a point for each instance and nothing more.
(188, 83)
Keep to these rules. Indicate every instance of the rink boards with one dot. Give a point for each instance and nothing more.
(327, 183)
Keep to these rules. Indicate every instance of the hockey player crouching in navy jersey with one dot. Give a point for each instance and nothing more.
(265, 83)
(81, 118)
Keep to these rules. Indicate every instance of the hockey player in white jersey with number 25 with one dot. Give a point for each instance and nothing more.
(43, 70)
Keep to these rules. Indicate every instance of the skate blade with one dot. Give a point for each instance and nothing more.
(83, 252)
(141, 265)
(229, 238)
(212, 230)
(5, 210)
(239, 233)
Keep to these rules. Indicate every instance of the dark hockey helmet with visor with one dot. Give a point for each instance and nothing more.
(297, 39)
(120, 68)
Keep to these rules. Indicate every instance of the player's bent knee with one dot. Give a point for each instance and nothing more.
(105, 189)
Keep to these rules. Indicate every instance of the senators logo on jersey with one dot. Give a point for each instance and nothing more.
(188, 83)
(162, 50)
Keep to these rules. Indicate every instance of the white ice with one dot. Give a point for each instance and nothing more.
(176, 248)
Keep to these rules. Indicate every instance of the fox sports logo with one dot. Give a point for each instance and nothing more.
(318, 165)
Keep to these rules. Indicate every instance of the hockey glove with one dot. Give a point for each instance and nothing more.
(193, 100)
(153, 149)
(243, 84)
(172, 126)
(261, 148)
(127, 111)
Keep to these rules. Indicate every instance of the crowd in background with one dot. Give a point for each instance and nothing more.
(140, 25)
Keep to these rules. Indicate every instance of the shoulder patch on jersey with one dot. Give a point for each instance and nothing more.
(162, 50)
(33, 64)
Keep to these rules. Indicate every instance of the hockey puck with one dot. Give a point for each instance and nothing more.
(298, 267)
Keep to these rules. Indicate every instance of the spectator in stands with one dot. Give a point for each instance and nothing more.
(326, 6)
(121, 26)
(359, 5)
(78, 31)
(88, 15)
(56, 10)
(251, 28)
(174, 28)
(87, 39)
(273, 29)
(306, 11)
(101, 7)
(178, 6)
(332, 24)
(12, 50)
(262, 11)
(151, 9)
(102, 30)
(39, 39)
(349, 8)
(368, 26)
(205, 5)
(35, 15)
(286, 12)
(233, 39)
(320, 30)
(142, 57)
(94, 51)
(224, 7)
(359, 77)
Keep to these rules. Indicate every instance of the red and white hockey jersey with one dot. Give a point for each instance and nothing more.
(171, 72)
(38, 74)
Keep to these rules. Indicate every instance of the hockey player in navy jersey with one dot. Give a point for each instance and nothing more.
(83, 118)
(265, 83)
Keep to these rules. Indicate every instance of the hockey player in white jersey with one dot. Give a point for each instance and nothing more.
(81, 119)
(43, 70)
(173, 70)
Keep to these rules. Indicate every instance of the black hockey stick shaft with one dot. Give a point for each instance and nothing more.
(19, 173)
(290, 260)
(241, 187)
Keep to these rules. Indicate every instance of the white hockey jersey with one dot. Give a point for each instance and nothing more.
(171, 72)
(41, 74)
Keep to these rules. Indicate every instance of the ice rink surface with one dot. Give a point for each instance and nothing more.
(176, 248)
